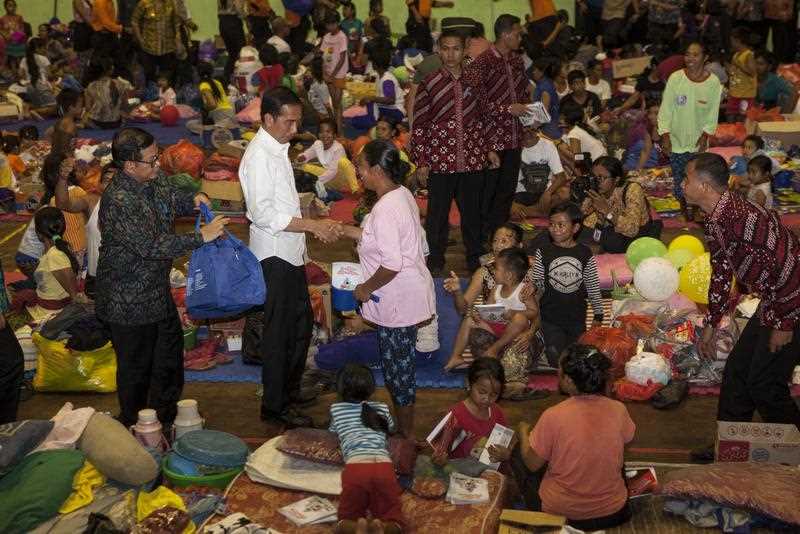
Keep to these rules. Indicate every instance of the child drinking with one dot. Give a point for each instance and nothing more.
(508, 339)
(567, 273)
(759, 181)
(582, 441)
(332, 161)
(369, 483)
(476, 415)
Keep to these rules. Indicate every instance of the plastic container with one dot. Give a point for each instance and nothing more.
(218, 480)
(148, 430)
(212, 447)
(188, 418)
(189, 338)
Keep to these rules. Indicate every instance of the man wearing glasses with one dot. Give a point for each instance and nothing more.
(136, 219)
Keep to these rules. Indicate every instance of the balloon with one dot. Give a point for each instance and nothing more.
(401, 73)
(169, 115)
(695, 279)
(643, 248)
(680, 257)
(679, 301)
(688, 242)
(656, 279)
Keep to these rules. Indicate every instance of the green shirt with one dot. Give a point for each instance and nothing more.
(688, 109)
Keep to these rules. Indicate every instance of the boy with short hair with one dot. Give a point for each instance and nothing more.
(566, 272)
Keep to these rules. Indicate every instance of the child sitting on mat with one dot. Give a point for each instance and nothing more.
(369, 483)
(335, 173)
(582, 442)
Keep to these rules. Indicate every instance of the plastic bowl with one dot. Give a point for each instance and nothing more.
(218, 480)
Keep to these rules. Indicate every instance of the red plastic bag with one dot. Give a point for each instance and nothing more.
(759, 114)
(728, 135)
(183, 157)
(636, 325)
(625, 390)
(614, 343)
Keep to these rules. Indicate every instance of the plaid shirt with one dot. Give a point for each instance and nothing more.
(500, 82)
(448, 133)
(137, 249)
(156, 23)
(749, 242)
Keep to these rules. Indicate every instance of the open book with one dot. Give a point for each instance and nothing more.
(445, 433)
(467, 490)
(310, 511)
(502, 436)
(491, 313)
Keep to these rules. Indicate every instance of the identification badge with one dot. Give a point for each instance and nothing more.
(681, 100)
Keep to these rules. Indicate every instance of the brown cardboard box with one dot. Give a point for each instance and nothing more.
(222, 190)
(234, 149)
(787, 132)
(757, 442)
(624, 68)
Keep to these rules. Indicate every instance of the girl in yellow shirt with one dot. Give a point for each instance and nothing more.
(743, 84)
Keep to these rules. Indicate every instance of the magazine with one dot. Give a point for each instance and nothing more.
(641, 481)
(491, 313)
(467, 490)
(310, 511)
(443, 433)
(502, 436)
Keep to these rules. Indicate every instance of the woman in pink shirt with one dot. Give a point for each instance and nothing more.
(581, 441)
(397, 293)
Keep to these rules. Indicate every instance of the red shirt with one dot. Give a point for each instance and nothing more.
(670, 65)
(749, 242)
(270, 77)
(500, 82)
(474, 428)
(448, 132)
(583, 440)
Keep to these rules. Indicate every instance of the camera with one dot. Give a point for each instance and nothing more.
(580, 187)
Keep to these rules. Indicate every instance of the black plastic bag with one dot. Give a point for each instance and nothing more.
(671, 395)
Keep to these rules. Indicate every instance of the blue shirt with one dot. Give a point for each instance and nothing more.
(355, 438)
(545, 85)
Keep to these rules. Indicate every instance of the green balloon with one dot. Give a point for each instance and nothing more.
(643, 248)
(401, 73)
(679, 257)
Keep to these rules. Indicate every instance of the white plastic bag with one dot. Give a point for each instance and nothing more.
(648, 367)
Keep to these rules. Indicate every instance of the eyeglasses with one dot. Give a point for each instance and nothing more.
(152, 163)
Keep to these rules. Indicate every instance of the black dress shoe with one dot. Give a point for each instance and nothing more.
(703, 456)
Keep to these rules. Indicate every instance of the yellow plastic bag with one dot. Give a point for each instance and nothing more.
(147, 503)
(61, 369)
(86, 480)
(345, 180)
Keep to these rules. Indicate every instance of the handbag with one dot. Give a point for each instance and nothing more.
(224, 277)
(534, 178)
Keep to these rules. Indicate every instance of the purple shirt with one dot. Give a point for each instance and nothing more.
(393, 238)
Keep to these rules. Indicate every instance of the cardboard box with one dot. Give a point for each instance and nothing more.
(757, 442)
(233, 149)
(222, 190)
(525, 522)
(787, 132)
(625, 68)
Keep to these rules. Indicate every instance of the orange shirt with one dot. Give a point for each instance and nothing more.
(542, 9)
(104, 16)
(425, 8)
(17, 165)
(583, 439)
(75, 231)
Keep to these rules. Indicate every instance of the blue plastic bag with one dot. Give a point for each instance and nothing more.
(301, 7)
(224, 277)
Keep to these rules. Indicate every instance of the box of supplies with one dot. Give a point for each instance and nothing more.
(625, 68)
(223, 190)
(787, 132)
(757, 442)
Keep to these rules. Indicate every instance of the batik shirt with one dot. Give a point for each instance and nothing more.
(749, 242)
(138, 246)
(448, 134)
(500, 82)
(157, 23)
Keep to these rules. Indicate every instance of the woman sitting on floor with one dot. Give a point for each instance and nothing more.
(515, 356)
(106, 96)
(571, 463)
(617, 212)
(217, 108)
(335, 173)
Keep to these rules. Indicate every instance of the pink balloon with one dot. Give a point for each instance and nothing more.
(679, 301)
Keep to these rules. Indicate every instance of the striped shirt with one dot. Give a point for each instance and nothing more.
(448, 133)
(749, 242)
(500, 82)
(356, 439)
(567, 276)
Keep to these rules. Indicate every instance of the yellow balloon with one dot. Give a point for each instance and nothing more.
(695, 279)
(687, 242)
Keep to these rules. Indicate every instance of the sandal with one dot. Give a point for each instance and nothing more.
(529, 394)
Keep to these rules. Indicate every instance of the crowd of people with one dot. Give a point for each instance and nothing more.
(520, 126)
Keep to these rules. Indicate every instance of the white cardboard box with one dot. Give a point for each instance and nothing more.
(757, 442)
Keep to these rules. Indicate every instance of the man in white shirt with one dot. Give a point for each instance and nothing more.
(277, 238)
(541, 176)
(280, 29)
(596, 84)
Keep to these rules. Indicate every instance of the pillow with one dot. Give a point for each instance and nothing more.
(769, 489)
(115, 452)
(19, 438)
(323, 446)
(36, 488)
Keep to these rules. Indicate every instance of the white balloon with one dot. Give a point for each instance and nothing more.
(656, 279)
